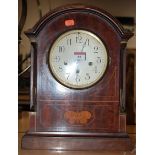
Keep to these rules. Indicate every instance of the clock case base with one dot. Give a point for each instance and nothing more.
(73, 141)
(112, 141)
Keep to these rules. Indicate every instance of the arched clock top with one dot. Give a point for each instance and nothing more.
(107, 17)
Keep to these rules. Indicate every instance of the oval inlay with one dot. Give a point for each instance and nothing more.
(77, 118)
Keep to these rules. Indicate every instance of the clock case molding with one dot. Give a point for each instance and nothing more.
(70, 119)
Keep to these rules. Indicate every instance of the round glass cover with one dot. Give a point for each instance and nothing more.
(78, 59)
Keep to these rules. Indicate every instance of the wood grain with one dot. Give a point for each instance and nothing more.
(24, 125)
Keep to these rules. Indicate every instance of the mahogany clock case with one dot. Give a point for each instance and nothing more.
(75, 119)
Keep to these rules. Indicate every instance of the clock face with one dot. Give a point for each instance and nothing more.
(78, 59)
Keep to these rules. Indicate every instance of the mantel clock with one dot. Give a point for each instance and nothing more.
(77, 82)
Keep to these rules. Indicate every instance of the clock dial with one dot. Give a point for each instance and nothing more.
(78, 59)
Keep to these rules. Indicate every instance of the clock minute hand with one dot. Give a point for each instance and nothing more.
(83, 46)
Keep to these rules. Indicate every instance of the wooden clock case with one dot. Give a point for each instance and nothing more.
(77, 119)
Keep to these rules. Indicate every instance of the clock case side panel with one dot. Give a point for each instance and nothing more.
(123, 77)
(33, 76)
(33, 84)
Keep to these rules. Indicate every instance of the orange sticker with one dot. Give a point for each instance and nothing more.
(69, 22)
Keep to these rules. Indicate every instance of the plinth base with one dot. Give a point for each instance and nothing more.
(104, 142)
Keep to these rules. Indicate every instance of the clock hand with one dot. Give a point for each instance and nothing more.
(83, 48)
(83, 45)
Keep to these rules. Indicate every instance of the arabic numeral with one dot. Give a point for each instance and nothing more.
(77, 78)
(69, 42)
(98, 60)
(67, 75)
(78, 38)
(87, 76)
(61, 49)
(57, 58)
(95, 49)
(60, 69)
(87, 41)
